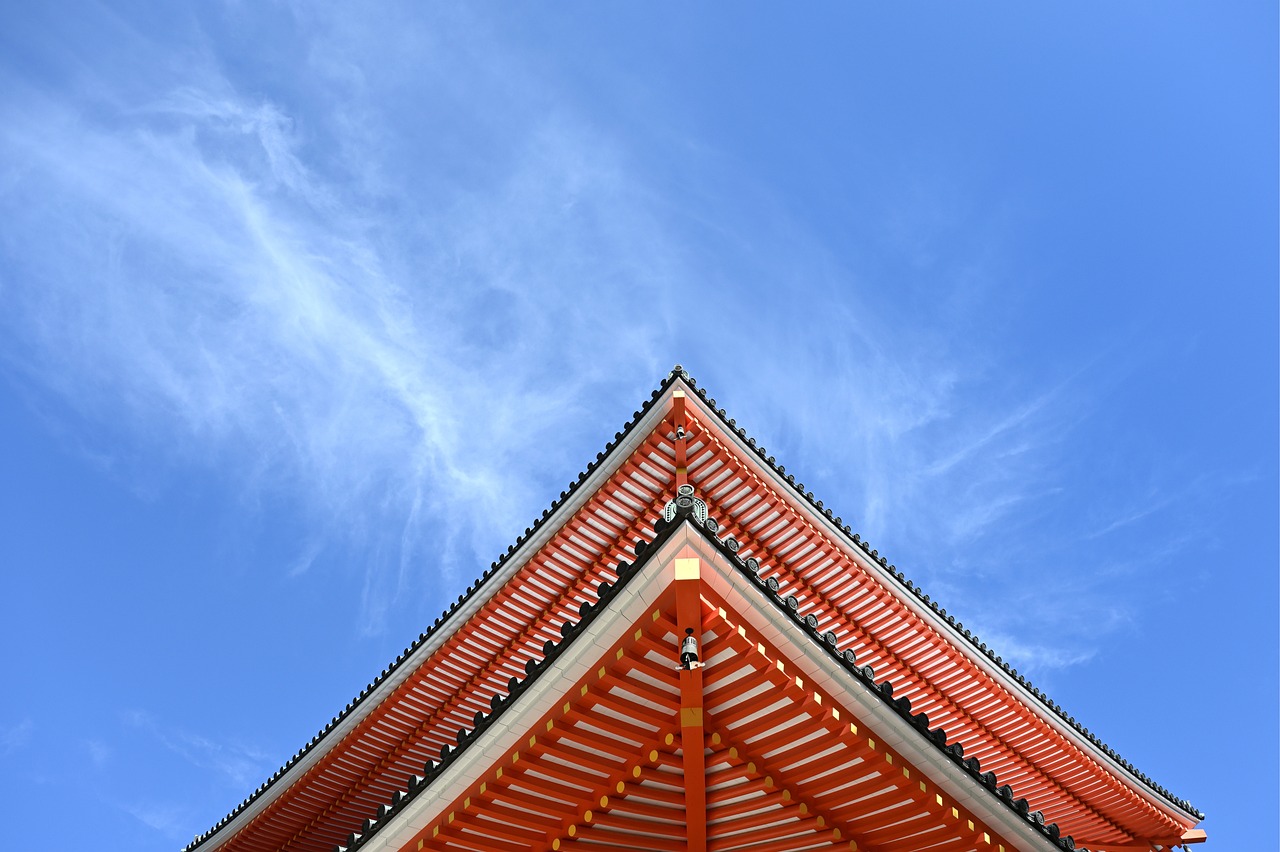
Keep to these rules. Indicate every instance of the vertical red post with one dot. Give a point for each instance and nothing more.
(689, 616)
(682, 431)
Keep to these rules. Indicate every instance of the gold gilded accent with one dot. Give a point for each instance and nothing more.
(938, 797)
(786, 795)
(822, 823)
(955, 814)
(653, 755)
(691, 717)
(604, 802)
(817, 698)
(888, 757)
(573, 831)
(566, 704)
(768, 780)
(555, 844)
(733, 752)
(639, 636)
(835, 834)
(466, 803)
(484, 787)
(586, 816)
(853, 729)
(971, 825)
(421, 843)
(621, 786)
(923, 789)
(635, 773)
(715, 739)
(688, 569)
(670, 738)
(751, 767)
(871, 744)
(804, 809)
(451, 814)
(550, 724)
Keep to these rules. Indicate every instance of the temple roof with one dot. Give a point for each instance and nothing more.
(602, 520)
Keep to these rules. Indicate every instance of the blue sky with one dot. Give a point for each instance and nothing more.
(306, 311)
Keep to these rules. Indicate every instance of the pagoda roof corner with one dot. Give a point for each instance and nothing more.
(593, 538)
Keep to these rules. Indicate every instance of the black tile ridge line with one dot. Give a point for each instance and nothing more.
(919, 594)
(444, 617)
(808, 624)
(605, 592)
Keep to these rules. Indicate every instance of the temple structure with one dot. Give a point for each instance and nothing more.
(689, 651)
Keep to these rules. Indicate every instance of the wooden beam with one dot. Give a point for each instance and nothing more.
(688, 582)
(681, 423)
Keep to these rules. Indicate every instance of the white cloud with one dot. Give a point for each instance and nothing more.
(414, 287)
(238, 763)
(15, 737)
(99, 752)
(181, 273)
(169, 820)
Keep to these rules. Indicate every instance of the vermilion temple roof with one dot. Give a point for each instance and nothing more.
(944, 690)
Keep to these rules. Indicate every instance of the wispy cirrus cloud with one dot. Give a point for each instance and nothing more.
(191, 271)
(16, 736)
(407, 287)
(237, 763)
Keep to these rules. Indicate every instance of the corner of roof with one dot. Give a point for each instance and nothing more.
(914, 590)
